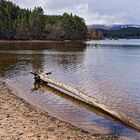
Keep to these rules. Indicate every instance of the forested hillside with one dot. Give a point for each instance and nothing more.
(130, 32)
(25, 24)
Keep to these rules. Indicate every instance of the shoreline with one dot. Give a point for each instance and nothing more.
(40, 41)
(20, 120)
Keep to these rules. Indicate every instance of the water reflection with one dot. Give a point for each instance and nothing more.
(111, 74)
(56, 46)
(37, 61)
(44, 87)
(12, 65)
(32, 56)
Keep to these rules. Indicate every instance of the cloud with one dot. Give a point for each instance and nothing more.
(60, 4)
(81, 8)
(93, 11)
(30, 3)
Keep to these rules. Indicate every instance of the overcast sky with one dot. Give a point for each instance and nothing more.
(93, 11)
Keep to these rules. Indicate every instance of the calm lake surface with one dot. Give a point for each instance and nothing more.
(107, 70)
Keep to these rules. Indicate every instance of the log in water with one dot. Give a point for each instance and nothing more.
(92, 101)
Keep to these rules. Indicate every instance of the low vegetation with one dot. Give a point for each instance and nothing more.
(95, 34)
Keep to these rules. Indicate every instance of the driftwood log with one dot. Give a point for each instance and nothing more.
(92, 101)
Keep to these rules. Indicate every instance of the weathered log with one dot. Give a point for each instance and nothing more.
(92, 101)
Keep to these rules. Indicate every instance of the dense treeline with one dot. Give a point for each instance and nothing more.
(26, 24)
(130, 32)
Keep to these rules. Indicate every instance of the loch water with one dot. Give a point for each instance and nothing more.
(107, 70)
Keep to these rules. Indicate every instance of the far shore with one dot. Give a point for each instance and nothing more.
(39, 41)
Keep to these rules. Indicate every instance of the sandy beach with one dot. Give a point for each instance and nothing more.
(19, 120)
(22, 121)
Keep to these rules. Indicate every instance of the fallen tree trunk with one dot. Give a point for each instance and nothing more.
(92, 101)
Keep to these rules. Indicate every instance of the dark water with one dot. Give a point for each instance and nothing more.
(110, 73)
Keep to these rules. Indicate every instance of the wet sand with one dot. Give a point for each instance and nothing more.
(22, 121)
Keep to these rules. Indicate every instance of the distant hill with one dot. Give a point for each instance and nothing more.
(129, 32)
(118, 31)
(112, 27)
